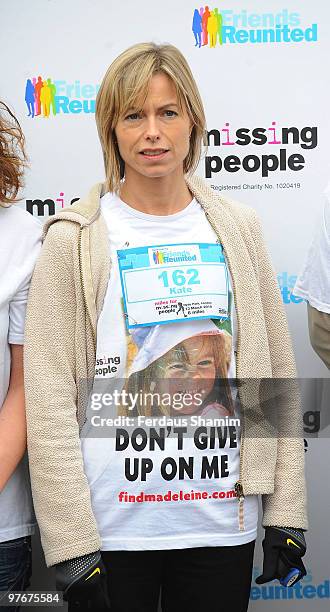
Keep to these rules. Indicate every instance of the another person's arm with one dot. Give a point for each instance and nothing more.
(12, 419)
(319, 332)
(16, 283)
(313, 284)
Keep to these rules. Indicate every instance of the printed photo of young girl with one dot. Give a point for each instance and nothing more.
(180, 370)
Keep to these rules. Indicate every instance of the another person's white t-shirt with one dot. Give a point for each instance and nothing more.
(140, 499)
(20, 241)
(313, 283)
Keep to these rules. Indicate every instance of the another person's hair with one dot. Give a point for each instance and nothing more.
(12, 156)
(126, 83)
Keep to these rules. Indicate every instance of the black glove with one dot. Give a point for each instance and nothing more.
(83, 582)
(283, 549)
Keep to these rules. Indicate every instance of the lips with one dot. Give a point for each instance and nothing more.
(153, 152)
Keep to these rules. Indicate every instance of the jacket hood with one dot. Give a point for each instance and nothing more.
(83, 212)
(87, 209)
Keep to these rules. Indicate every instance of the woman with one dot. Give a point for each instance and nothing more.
(105, 546)
(19, 245)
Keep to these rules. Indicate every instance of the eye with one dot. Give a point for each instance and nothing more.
(175, 367)
(133, 117)
(206, 363)
(170, 113)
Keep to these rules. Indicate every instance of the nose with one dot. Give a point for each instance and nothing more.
(192, 371)
(152, 131)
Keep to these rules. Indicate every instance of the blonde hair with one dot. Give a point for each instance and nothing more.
(12, 156)
(126, 83)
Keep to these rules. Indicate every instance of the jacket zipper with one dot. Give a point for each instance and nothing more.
(238, 487)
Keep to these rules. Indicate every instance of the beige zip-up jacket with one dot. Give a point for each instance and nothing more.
(66, 297)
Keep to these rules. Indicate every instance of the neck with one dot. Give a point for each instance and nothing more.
(164, 195)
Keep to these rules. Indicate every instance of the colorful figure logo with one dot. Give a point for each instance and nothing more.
(207, 27)
(40, 97)
(158, 257)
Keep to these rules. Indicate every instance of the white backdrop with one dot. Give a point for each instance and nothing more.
(244, 84)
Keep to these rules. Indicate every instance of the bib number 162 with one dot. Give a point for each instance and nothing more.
(180, 277)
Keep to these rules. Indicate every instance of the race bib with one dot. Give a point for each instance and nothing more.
(175, 282)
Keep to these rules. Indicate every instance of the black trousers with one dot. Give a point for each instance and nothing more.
(195, 579)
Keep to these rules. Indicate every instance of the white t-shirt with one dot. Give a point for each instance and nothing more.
(20, 241)
(175, 492)
(313, 284)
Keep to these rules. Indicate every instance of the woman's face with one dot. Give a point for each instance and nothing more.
(193, 374)
(154, 141)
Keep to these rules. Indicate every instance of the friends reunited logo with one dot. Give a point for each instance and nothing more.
(47, 97)
(214, 27)
(166, 256)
